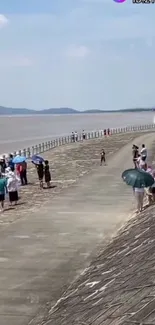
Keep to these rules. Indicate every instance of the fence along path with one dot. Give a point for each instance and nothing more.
(45, 146)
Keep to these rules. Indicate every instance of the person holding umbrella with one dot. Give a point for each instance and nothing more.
(21, 168)
(38, 162)
(138, 179)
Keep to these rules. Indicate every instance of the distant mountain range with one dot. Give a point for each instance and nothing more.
(64, 110)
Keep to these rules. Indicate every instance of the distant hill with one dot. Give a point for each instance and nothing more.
(64, 110)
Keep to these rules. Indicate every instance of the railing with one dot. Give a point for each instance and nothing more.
(46, 146)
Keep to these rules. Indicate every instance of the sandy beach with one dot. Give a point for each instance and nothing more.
(53, 235)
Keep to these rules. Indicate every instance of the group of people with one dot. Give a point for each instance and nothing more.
(75, 136)
(140, 161)
(12, 176)
(43, 171)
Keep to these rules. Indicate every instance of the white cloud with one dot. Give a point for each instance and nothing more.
(3, 21)
(78, 51)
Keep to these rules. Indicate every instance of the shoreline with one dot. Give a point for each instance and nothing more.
(53, 142)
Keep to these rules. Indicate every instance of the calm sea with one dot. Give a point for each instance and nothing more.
(18, 132)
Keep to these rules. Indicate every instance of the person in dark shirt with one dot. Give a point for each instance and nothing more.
(2, 165)
(47, 174)
(135, 154)
(10, 163)
(102, 157)
(40, 171)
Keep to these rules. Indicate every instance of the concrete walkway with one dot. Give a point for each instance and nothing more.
(41, 254)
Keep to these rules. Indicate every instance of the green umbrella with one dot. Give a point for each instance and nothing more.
(137, 178)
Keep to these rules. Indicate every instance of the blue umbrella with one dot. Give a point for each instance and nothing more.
(18, 159)
(37, 160)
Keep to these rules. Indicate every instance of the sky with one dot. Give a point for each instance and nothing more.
(84, 54)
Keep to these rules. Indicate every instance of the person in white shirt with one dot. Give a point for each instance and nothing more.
(139, 195)
(143, 151)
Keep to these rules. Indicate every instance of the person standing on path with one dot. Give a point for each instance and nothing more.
(3, 184)
(84, 135)
(135, 154)
(40, 171)
(143, 151)
(102, 157)
(2, 165)
(23, 172)
(76, 136)
(47, 174)
(139, 195)
(12, 187)
(10, 163)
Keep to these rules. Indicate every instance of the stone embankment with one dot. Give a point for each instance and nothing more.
(118, 288)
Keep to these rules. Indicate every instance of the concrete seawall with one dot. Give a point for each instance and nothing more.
(48, 240)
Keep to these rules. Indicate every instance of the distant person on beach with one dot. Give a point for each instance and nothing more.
(135, 153)
(40, 171)
(47, 174)
(84, 135)
(143, 151)
(103, 160)
(12, 187)
(3, 184)
(105, 132)
(76, 136)
(72, 137)
(108, 131)
(10, 163)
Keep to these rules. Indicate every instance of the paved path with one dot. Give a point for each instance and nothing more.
(42, 253)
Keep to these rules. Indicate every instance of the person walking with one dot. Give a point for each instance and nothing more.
(102, 157)
(139, 195)
(12, 187)
(47, 174)
(3, 184)
(40, 171)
